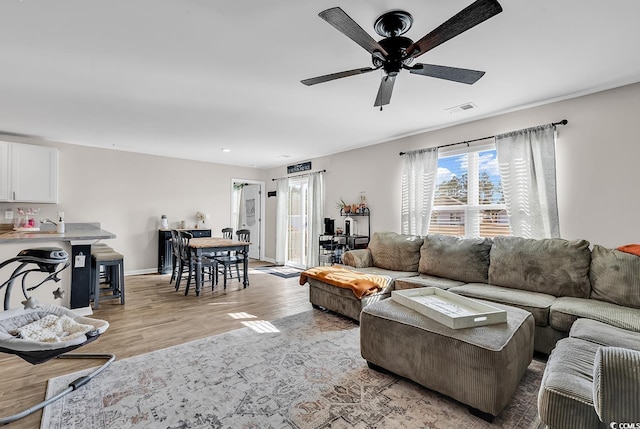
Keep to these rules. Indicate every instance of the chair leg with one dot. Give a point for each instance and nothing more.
(237, 271)
(191, 268)
(180, 268)
(186, 288)
(173, 269)
(121, 276)
(225, 276)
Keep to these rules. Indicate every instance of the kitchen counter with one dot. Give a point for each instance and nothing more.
(76, 240)
(73, 232)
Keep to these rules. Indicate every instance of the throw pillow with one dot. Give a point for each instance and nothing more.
(615, 277)
(456, 258)
(552, 265)
(395, 252)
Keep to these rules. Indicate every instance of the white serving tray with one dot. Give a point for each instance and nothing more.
(448, 308)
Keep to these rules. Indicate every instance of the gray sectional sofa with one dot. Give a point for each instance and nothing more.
(558, 281)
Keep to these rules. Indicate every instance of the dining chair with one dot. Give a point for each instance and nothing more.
(227, 261)
(187, 261)
(175, 254)
(243, 235)
(181, 249)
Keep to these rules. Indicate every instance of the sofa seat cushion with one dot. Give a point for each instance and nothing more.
(565, 399)
(425, 280)
(395, 252)
(553, 266)
(615, 277)
(605, 335)
(457, 258)
(535, 303)
(566, 310)
(384, 272)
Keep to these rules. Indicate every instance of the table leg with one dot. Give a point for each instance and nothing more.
(245, 265)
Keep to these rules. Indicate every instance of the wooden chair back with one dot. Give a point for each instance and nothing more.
(227, 233)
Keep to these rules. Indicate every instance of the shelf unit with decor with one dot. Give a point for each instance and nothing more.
(362, 214)
(332, 246)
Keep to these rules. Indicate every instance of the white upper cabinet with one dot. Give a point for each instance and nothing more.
(4, 171)
(32, 173)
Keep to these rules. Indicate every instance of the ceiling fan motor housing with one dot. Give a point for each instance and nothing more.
(393, 23)
(397, 49)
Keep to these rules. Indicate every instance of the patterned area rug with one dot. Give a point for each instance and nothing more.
(303, 371)
(280, 271)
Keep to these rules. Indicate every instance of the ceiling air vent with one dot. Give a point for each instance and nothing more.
(461, 108)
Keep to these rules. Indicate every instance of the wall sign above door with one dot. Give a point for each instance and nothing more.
(297, 168)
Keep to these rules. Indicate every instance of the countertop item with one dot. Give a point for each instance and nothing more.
(73, 232)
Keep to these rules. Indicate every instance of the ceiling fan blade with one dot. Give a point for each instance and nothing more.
(449, 73)
(334, 76)
(347, 26)
(384, 92)
(474, 14)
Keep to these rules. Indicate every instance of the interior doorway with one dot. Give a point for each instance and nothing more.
(247, 212)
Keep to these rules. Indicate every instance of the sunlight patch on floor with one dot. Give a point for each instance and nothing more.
(260, 326)
(242, 315)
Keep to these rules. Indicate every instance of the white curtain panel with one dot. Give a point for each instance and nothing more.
(527, 162)
(315, 216)
(282, 221)
(239, 208)
(420, 171)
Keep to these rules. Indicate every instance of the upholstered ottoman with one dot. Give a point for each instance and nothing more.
(480, 366)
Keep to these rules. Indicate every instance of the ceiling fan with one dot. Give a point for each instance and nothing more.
(394, 52)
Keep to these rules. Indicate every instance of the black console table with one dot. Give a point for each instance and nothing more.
(165, 249)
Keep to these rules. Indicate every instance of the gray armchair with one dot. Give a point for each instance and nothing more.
(616, 385)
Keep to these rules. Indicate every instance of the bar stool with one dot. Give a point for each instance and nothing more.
(101, 248)
(112, 264)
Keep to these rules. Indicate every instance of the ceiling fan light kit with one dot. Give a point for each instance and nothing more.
(395, 52)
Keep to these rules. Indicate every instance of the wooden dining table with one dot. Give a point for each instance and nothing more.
(202, 245)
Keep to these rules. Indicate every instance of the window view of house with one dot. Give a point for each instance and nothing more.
(468, 197)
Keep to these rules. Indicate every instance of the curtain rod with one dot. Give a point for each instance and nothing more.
(300, 175)
(562, 122)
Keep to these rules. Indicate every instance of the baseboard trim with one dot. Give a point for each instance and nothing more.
(145, 271)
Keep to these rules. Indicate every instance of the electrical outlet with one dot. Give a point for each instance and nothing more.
(8, 214)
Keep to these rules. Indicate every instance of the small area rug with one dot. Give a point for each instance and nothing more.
(280, 271)
(302, 371)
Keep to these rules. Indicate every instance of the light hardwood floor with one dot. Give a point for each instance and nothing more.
(155, 316)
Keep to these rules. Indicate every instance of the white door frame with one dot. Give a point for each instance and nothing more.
(262, 208)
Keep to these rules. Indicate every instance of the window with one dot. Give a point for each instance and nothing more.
(468, 198)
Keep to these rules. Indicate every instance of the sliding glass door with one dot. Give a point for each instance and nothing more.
(299, 219)
(297, 223)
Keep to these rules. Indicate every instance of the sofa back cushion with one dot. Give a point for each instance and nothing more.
(396, 252)
(615, 277)
(457, 258)
(552, 265)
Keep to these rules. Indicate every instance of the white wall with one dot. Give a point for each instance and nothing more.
(128, 192)
(598, 155)
(597, 159)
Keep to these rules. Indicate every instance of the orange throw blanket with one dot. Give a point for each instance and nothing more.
(634, 249)
(360, 283)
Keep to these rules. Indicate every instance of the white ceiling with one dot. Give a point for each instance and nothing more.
(187, 78)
